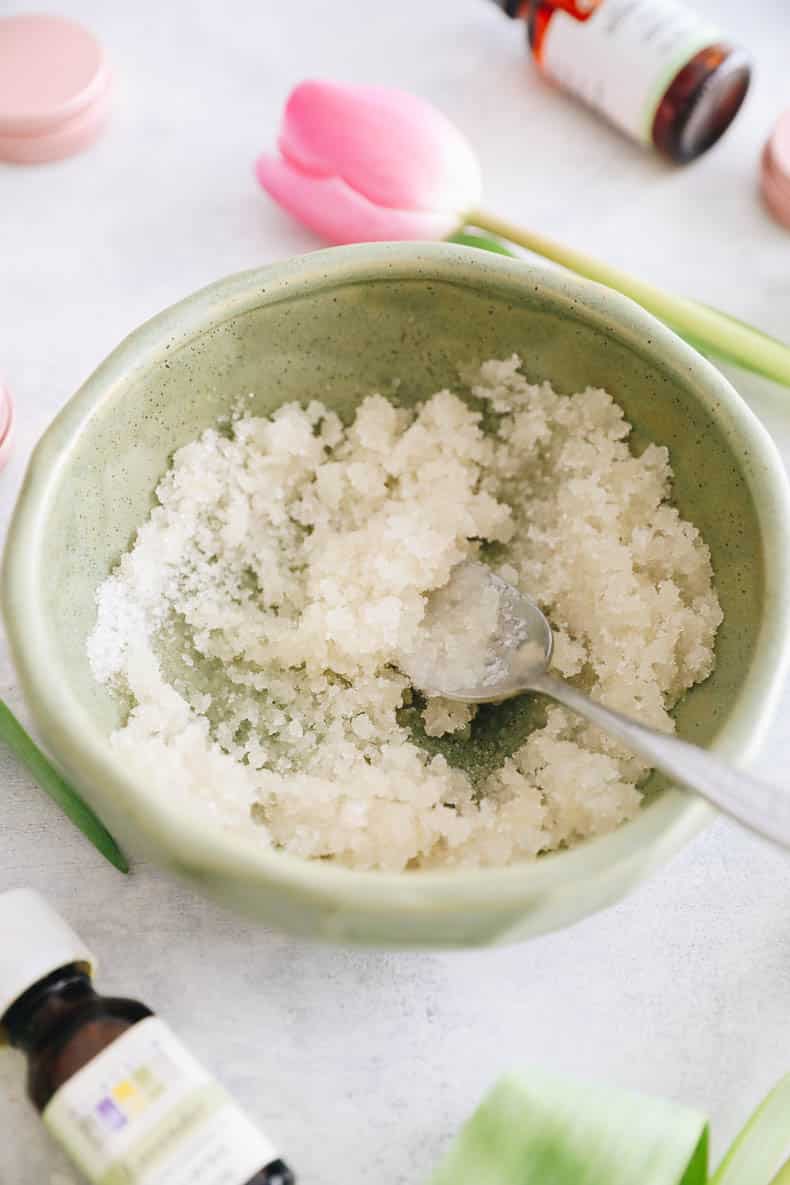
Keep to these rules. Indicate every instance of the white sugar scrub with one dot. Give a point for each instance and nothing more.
(260, 625)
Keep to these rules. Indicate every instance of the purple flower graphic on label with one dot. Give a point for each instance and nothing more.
(110, 1115)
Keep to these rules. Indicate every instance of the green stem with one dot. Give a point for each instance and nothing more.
(50, 781)
(707, 329)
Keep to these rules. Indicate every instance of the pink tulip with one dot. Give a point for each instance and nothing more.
(363, 163)
(360, 163)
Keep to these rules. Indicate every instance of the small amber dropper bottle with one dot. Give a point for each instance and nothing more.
(115, 1087)
(652, 67)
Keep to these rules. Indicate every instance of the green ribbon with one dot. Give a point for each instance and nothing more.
(541, 1128)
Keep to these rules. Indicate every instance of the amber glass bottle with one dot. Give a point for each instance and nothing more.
(652, 67)
(115, 1087)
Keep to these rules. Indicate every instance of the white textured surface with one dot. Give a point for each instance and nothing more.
(360, 1065)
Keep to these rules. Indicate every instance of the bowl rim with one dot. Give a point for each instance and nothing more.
(189, 842)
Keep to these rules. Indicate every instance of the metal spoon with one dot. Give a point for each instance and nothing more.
(516, 660)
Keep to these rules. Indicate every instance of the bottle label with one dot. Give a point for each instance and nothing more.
(623, 58)
(145, 1112)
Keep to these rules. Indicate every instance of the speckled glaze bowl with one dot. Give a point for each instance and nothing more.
(339, 324)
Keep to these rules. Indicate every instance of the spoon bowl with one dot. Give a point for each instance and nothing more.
(515, 645)
(513, 657)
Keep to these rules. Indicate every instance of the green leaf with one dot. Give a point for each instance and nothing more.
(539, 1128)
(783, 1176)
(762, 1144)
(50, 781)
(467, 238)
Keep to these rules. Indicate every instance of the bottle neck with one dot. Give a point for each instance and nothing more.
(32, 1020)
(525, 10)
(515, 9)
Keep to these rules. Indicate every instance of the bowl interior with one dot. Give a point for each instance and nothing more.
(405, 338)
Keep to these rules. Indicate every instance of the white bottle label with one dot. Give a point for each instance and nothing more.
(624, 57)
(145, 1112)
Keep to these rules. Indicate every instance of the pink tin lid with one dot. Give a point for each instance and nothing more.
(54, 87)
(776, 171)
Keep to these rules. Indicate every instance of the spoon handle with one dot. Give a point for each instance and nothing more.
(759, 806)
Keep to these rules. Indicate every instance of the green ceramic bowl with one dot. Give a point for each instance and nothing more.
(339, 324)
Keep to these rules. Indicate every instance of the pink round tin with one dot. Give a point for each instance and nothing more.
(54, 88)
(776, 171)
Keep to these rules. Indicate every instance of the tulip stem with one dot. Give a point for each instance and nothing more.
(707, 329)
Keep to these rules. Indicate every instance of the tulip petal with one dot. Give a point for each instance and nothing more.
(390, 146)
(331, 208)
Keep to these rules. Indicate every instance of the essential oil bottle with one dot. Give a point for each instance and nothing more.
(653, 68)
(115, 1087)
